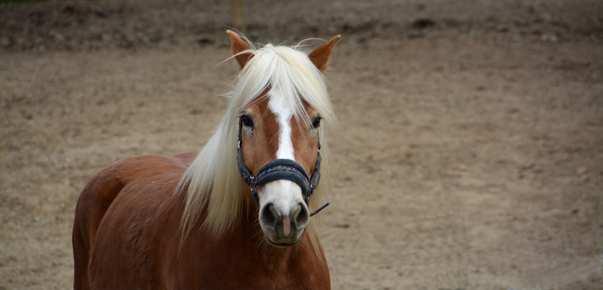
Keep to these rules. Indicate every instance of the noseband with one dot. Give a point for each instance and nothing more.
(280, 169)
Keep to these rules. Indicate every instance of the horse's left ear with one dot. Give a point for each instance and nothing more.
(239, 48)
(320, 55)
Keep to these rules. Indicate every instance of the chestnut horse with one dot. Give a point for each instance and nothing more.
(236, 215)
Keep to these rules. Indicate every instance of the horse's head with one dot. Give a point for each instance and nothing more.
(278, 131)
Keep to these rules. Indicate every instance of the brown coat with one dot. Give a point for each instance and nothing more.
(126, 236)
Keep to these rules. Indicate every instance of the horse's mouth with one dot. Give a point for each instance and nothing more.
(283, 243)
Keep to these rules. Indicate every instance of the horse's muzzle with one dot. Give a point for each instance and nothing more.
(283, 229)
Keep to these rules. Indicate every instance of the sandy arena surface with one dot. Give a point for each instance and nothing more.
(468, 153)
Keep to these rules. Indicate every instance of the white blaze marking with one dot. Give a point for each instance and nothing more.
(284, 194)
(283, 115)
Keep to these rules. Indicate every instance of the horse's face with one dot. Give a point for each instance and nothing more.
(271, 131)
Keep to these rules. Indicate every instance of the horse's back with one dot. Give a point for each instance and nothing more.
(118, 201)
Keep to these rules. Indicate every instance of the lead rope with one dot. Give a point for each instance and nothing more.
(317, 211)
(326, 204)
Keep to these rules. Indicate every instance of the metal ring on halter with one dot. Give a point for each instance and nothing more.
(280, 169)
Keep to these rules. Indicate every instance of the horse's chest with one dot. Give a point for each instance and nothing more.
(275, 281)
(245, 275)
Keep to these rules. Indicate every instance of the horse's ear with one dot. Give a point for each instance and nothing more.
(320, 55)
(239, 48)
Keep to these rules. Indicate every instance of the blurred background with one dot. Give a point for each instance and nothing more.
(468, 154)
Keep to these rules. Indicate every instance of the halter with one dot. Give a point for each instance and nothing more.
(279, 169)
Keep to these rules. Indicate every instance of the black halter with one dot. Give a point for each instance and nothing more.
(279, 169)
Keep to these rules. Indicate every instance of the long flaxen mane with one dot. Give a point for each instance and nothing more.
(212, 182)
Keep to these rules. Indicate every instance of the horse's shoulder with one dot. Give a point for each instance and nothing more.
(146, 164)
(121, 211)
(110, 181)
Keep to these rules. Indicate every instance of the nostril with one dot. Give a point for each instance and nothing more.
(269, 215)
(301, 216)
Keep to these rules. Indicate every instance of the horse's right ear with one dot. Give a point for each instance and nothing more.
(320, 55)
(239, 47)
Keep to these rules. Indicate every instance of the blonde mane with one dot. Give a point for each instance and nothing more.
(212, 182)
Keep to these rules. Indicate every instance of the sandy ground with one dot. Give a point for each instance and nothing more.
(463, 159)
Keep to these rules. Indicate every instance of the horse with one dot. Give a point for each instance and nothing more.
(236, 215)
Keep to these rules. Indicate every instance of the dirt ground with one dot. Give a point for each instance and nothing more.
(468, 152)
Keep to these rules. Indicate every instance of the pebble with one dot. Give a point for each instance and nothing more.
(549, 37)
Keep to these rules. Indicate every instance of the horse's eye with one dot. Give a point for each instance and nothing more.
(247, 121)
(316, 122)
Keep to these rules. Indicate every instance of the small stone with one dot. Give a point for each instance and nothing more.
(549, 37)
(502, 28)
(422, 23)
(342, 226)
(57, 36)
(416, 34)
(195, 112)
(202, 41)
